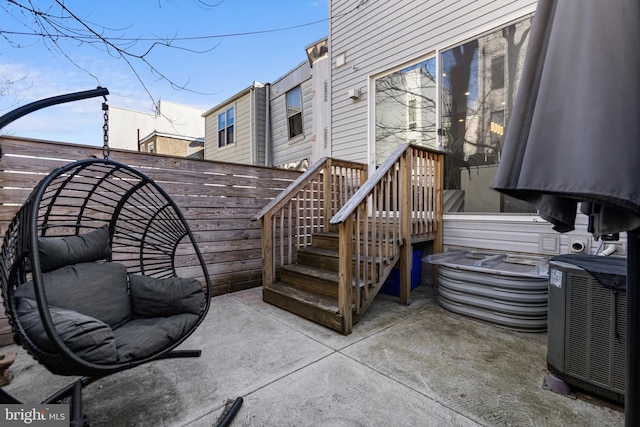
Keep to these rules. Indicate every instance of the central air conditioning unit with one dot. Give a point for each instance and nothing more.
(587, 323)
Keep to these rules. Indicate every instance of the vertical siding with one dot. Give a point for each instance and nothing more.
(378, 36)
(321, 109)
(259, 118)
(284, 150)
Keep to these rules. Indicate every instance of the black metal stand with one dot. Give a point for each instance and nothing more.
(54, 100)
(631, 404)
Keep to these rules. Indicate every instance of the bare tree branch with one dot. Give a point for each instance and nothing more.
(52, 24)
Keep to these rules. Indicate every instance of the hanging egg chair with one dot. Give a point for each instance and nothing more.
(91, 271)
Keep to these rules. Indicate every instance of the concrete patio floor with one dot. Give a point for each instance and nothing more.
(416, 365)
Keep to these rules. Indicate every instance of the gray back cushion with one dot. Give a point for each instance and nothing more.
(56, 252)
(94, 289)
(152, 297)
(88, 338)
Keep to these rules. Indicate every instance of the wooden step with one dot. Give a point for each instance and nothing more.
(317, 308)
(319, 257)
(330, 241)
(325, 258)
(311, 279)
(325, 240)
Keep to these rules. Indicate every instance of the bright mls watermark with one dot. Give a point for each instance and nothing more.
(55, 415)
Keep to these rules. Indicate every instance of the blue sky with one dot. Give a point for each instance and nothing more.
(260, 41)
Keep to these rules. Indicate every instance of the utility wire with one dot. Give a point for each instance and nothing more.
(124, 39)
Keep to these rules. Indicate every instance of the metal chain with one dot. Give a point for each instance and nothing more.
(105, 127)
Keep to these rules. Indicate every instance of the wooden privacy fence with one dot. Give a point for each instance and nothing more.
(217, 199)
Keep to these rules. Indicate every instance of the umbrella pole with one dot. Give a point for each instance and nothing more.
(631, 404)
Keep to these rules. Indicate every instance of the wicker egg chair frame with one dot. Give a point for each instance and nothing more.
(147, 234)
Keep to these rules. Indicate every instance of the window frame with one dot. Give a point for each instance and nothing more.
(418, 134)
(226, 128)
(412, 114)
(497, 67)
(496, 64)
(441, 137)
(294, 132)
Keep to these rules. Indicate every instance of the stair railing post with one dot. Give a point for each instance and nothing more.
(345, 274)
(268, 268)
(438, 196)
(438, 193)
(405, 226)
(327, 196)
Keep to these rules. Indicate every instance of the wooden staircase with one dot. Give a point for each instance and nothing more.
(309, 288)
(331, 239)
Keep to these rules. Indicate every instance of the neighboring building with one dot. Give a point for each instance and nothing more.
(172, 145)
(282, 124)
(128, 127)
(235, 130)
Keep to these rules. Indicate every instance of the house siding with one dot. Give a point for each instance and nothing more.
(284, 150)
(376, 37)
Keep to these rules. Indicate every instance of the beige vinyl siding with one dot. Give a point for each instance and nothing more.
(378, 36)
(210, 135)
(285, 150)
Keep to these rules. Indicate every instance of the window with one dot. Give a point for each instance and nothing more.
(497, 72)
(294, 112)
(151, 147)
(226, 134)
(412, 113)
(405, 108)
(478, 84)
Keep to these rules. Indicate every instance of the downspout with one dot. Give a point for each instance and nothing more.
(267, 131)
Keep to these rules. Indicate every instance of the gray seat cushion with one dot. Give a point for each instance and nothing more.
(151, 297)
(96, 290)
(56, 252)
(139, 338)
(87, 337)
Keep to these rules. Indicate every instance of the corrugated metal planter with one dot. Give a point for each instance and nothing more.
(506, 289)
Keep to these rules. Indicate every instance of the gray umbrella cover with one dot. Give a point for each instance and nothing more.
(574, 132)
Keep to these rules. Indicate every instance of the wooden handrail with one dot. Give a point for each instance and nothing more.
(369, 185)
(302, 180)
